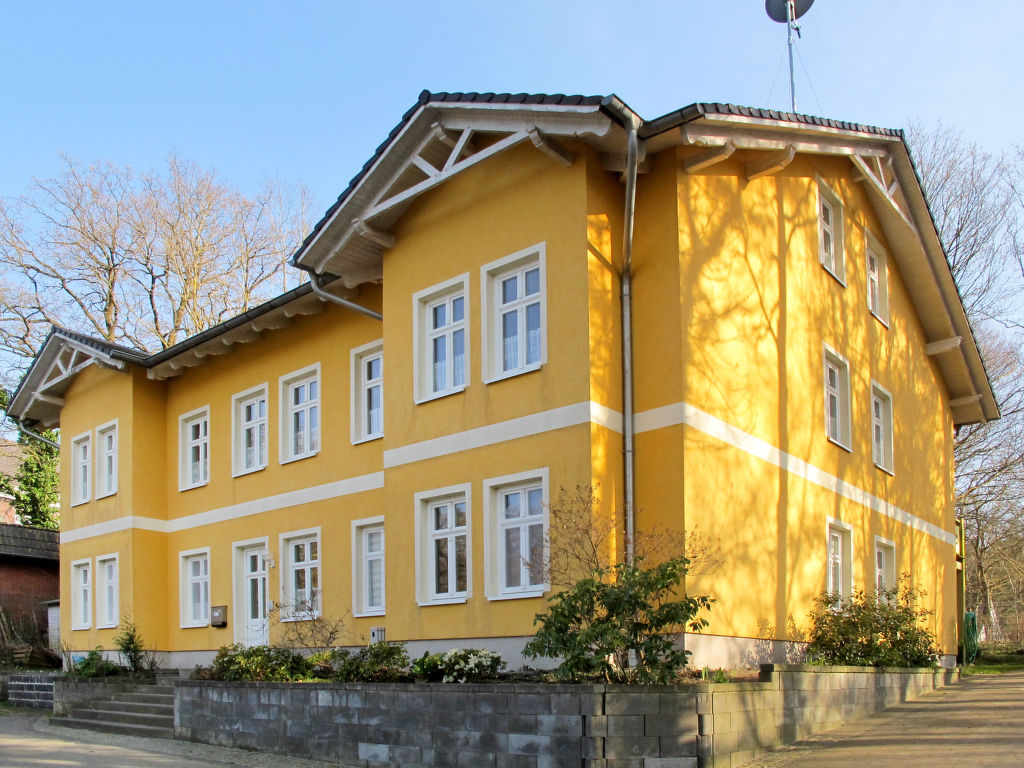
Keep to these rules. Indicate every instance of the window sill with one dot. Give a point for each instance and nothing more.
(883, 320)
(512, 374)
(519, 595)
(300, 457)
(184, 488)
(304, 617)
(838, 444)
(841, 279)
(106, 626)
(439, 395)
(80, 629)
(364, 614)
(106, 495)
(243, 472)
(444, 601)
(368, 439)
(885, 469)
(195, 626)
(79, 503)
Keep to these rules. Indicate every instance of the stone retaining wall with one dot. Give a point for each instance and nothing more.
(539, 726)
(31, 689)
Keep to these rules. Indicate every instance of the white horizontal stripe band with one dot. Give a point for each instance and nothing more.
(323, 492)
(688, 415)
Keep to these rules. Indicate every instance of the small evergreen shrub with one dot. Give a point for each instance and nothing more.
(465, 665)
(260, 662)
(620, 623)
(377, 663)
(129, 642)
(94, 665)
(428, 667)
(872, 630)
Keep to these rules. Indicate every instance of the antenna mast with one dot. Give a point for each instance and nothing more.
(788, 11)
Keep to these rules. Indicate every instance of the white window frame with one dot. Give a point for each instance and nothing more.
(240, 427)
(360, 385)
(881, 428)
(834, 263)
(287, 383)
(423, 303)
(361, 560)
(877, 278)
(884, 563)
(81, 469)
(290, 610)
(494, 544)
(81, 599)
(185, 445)
(106, 482)
(424, 503)
(491, 344)
(185, 582)
(107, 610)
(841, 432)
(844, 532)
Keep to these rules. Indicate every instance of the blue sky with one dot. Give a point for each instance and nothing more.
(306, 90)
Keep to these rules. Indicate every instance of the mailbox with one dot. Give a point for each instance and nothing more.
(218, 616)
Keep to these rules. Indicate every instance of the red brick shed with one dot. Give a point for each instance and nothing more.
(29, 575)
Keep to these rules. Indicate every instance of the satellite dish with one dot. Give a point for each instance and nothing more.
(776, 9)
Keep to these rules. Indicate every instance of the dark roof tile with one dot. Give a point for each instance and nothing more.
(30, 542)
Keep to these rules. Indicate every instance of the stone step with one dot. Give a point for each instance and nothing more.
(125, 729)
(114, 714)
(145, 698)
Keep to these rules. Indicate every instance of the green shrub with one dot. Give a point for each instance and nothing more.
(129, 642)
(260, 662)
(620, 624)
(869, 630)
(428, 666)
(94, 665)
(465, 665)
(377, 663)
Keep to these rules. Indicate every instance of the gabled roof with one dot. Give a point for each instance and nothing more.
(29, 542)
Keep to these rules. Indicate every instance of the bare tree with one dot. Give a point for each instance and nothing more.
(143, 260)
(976, 199)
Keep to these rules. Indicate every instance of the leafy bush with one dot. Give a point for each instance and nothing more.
(620, 624)
(869, 630)
(464, 665)
(428, 666)
(260, 662)
(129, 642)
(94, 665)
(377, 663)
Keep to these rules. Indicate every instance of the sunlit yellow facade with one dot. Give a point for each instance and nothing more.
(801, 425)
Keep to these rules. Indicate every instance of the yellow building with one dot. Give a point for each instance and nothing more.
(383, 442)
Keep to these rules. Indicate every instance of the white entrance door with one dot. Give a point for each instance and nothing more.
(254, 566)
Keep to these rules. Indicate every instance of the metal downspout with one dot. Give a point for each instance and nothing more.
(314, 280)
(35, 436)
(629, 481)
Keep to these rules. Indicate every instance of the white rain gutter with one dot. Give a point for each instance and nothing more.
(628, 432)
(36, 436)
(314, 280)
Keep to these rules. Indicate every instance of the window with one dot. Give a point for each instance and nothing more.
(249, 435)
(885, 565)
(837, 399)
(195, 449)
(515, 534)
(830, 232)
(81, 469)
(300, 592)
(368, 566)
(439, 327)
(194, 574)
(840, 559)
(878, 280)
(367, 392)
(881, 428)
(443, 556)
(107, 597)
(81, 594)
(300, 414)
(514, 314)
(106, 467)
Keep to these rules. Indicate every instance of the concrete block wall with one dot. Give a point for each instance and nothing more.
(71, 693)
(31, 689)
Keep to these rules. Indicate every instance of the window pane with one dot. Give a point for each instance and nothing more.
(511, 505)
(254, 598)
(440, 357)
(533, 333)
(460, 513)
(299, 553)
(375, 584)
(510, 340)
(460, 563)
(374, 413)
(509, 290)
(532, 282)
(373, 368)
(535, 499)
(374, 541)
(513, 558)
(535, 556)
(298, 394)
(314, 428)
(298, 432)
(458, 308)
(441, 566)
(437, 316)
(440, 517)
(458, 359)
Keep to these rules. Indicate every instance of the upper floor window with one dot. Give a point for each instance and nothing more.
(300, 411)
(830, 232)
(194, 453)
(194, 571)
(515, 534)
(514, 314)
(81, 594)
(367, 392)
(840, 560)
(837, 399)
(442, 555)
(81, 469)
(439, 328)
(106, 467)
(107, 593)
(881, 428)
(249, 438)
(301, 574)
(877, 280)
(368, 566)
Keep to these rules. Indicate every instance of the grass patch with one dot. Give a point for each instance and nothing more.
(995, 664)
